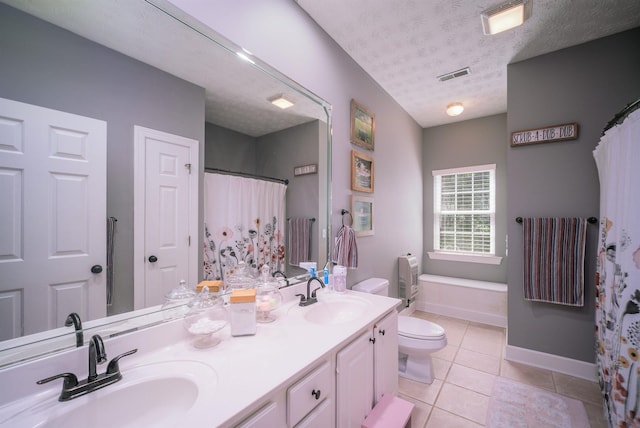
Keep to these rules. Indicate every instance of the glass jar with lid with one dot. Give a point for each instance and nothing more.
(176, 301)
(241, 277)
(206, 316)
(268, 296)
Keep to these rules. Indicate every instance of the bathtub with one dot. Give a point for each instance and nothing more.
(480, 301)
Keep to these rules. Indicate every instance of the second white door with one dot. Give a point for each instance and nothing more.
(166, 207)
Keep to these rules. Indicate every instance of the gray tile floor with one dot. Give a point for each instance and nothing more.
(465, 372)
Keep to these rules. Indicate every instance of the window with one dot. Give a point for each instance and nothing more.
(464, 214)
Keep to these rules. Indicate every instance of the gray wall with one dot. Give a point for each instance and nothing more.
(315, 61)
(471, 142)
(46, 66)
(587, 84)
(279, 152)
(230, 150)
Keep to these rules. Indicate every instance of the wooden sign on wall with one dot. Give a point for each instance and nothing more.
(564, 132)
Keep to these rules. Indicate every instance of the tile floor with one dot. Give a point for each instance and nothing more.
(465, 372)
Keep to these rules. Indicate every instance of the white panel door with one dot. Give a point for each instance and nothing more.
(167, 206)
(354, 382)
(52, 218)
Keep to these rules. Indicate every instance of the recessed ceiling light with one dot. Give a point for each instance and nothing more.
(281, 101)
(454, 109)
(505, 16)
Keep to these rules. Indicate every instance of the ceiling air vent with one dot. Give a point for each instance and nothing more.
(454, 74)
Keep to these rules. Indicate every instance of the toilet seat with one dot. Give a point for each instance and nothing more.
(417, 328)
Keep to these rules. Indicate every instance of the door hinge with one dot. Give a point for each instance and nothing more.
(188, 166)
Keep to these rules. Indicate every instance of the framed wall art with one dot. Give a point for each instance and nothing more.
(362, 212)
(361, 172)
(363, 126)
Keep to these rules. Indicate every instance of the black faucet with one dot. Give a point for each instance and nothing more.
(71, 388)
(286, 280)
(310, 298)
(97, 355)
(73, 319)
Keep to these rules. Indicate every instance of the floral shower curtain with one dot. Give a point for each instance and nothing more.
(244, 222)
(618, 272)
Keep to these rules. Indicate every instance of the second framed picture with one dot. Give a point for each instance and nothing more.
(361, 172)
(362, 212)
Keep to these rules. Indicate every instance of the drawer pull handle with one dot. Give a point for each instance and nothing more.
(316, 393)
(381, 332)
(372, 340)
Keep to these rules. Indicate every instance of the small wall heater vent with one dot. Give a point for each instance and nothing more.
(455, 74)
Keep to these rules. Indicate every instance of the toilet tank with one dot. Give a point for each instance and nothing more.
(379, 286)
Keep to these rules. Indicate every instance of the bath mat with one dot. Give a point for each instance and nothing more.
(516, 405)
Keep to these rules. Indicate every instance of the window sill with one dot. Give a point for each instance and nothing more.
(468, 258)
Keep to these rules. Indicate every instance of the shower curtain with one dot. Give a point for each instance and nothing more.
(244, 222)
(618, 272)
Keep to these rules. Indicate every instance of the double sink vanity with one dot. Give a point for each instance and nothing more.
(321, 365)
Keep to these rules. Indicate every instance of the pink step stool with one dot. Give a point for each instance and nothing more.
(390, 412)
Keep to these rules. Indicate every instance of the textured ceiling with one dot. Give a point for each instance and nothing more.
(405, 44)
(236, 93)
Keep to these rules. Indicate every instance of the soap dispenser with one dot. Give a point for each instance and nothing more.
(268, 296)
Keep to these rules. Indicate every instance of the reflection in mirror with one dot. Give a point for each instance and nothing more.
(126, 64)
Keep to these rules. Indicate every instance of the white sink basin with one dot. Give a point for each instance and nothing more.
(164, 394)
(334, 309)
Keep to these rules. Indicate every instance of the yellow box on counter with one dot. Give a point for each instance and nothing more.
(214, 286)
(243, 295)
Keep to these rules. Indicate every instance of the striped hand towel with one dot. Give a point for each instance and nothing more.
(299, 242)
(554, 251)
(345, 252)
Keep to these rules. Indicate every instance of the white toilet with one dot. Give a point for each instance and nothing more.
(417, 338)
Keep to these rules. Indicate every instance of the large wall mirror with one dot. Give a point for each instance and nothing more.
(131, 64)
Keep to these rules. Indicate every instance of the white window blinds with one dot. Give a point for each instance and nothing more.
(464, 210)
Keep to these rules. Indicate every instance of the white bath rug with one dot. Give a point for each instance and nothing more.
(516, 405)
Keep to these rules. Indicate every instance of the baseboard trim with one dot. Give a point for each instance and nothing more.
(552, 362)
(465, 314)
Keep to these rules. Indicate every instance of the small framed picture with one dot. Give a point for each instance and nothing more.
(362, 213)
(361, 172)
(363, 126)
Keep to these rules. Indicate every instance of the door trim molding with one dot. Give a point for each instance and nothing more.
(139, 179)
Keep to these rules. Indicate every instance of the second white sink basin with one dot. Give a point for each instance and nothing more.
(163, 394)
(335, 309)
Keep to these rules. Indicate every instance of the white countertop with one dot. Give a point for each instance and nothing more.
(246, 369)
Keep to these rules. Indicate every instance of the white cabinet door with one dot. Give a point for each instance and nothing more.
(386, 356)
(52, 218)
(354, 382)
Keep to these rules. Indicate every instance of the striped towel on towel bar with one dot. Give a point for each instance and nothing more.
(345, 252)
(554, 252)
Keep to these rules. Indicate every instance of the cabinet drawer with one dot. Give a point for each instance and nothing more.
(307, 393)
(321, 417)
(267, 416)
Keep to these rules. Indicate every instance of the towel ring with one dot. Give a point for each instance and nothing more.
(343, 212)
